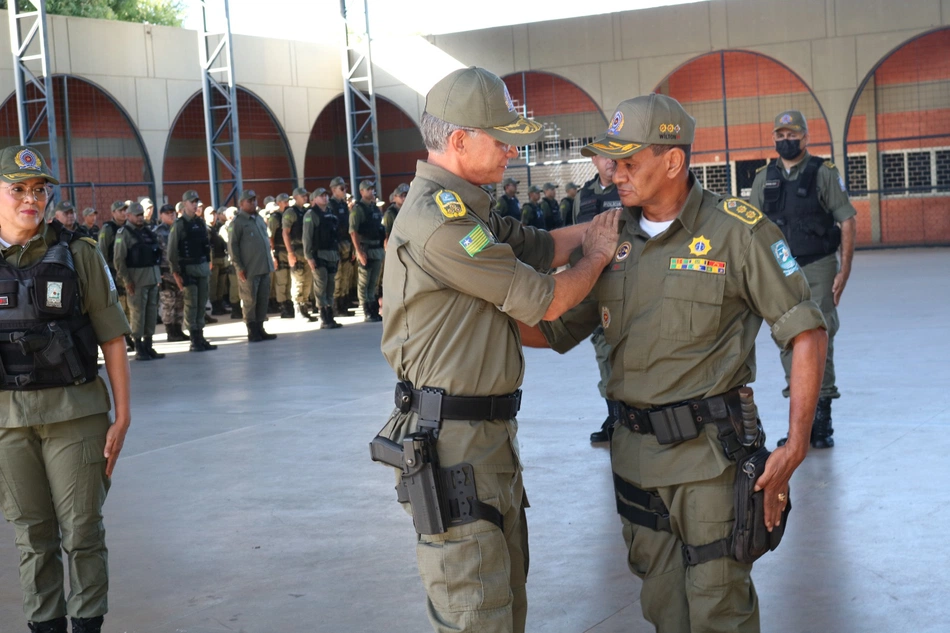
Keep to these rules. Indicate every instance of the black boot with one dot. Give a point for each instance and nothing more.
(129, 343)
(253, 336)
(196, 344)
(236, 311)
(607, 428)
(204, 342)
(264, 335)
(821, 430)
(151, 350)
(87, 625)
(341, 308)
(326, 319)
(217, 307)
(273, 307)
(141, 352)
(287, 310)
(175, 333)
(303, 314)
(49, 626)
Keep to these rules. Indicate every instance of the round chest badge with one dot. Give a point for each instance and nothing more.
(624, 251)
(699, 246)
(605, 316)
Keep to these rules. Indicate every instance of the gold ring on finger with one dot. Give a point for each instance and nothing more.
(782, 497)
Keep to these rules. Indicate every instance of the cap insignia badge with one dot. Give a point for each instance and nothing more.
(616, 124)
(27, 159)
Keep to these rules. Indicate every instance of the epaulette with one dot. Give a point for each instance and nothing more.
(761, 168)
(89, 240)
(450, 204)
(742, 211)
(829, 164)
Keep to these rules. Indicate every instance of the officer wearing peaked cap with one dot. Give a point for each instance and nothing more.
(453, 261)
(681, 303)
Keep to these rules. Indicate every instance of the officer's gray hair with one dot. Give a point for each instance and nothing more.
(436, 132)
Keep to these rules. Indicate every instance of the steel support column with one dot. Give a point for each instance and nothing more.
(28, 41)
(220, 103)
(359, 95)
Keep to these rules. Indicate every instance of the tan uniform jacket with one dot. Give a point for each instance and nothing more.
(249, 245)
(455, 281)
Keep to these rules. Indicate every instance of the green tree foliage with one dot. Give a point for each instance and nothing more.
(165, 12)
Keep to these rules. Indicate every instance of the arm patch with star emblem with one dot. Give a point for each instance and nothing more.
(742, 211)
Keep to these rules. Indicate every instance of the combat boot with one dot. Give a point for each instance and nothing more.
(204, 342)
(217, 307)
(129, 343)
(273, 307)
(326, 319)
(302, 314)
(253, 336)
(374, 311)
(87, 625)
(141, 352)
(175, 333)
(821, 430)
(210, 319)
(236, 311)
(49, 626)
(287, 310)
(147, 342)
(195, 338)
(263, 334)
(341, 308)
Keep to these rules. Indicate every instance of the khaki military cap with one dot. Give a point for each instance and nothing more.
(136, 208)
(316, 193)
(65, 206)
(269, 199)
(88, 211)
(549, 185)
(248, 194)
(791, 120)
(190, 196)
(643, 121)
(167, 208)
(570, 186)
(476, 98)
(282, 197)
(301, 191)
(367, 184)
(337, 182)
(509, 181)
(402, 189)
(534, 189)
(118, 205)
(20, 162)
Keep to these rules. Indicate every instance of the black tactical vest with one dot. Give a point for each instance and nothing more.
(552, 214)
(535, 215)
(794, 206)
(194, 247)
(338, 209)
(45, 339)
(110, 255)
(593, 204)
(146, 252)
(296, 230)
(371, 229)
(514, 207)
(327, 237)
(279, 246)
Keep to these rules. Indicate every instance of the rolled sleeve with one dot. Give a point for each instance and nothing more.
(834, 196)
(574, 326)
(801, 318)
(493, 274)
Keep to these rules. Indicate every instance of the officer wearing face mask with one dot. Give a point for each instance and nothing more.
(806, 197)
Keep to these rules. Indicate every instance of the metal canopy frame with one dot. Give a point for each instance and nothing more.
(359, 95)
(217, 80)
(24, 37)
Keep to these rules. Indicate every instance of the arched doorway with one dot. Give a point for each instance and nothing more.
(734, 97)
(267, 164)
(400, 146)
(897, 142)
(571, 119)
(101, 155)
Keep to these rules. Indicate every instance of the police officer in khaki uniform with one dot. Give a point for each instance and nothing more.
(300, 272)
(89, 223)
(137, 258)
(345, 277)
(508, 204)
(107, 247)
(58, 448)
(170, 297)
(367, 233)
(531, 213)
(566, 207)
(551, 207)
(281, 277)
(251, 256)
(218, 282)
(681, 304)
(399, 198)
(65, 213)
(806, 197)
(189, 257)
(320, 237)
(454, 261)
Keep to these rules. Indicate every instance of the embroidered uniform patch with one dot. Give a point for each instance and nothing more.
(475, 241)
(450, 204)
(54, 294)
(623, 251)
(742, 211)
(605, 317)
(109, 277)
(784, 257)
(699, 246)
(698, 265)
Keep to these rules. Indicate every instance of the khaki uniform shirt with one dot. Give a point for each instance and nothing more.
(311, 221)
(832, 193)
(177, 231)
(100, 302)
(249, 245)
(681, 312)
(141, 277)
(456, 278)
(291, 216)
(358, 214)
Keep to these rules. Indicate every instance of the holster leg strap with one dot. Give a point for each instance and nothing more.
(656, 519)
(698, 554)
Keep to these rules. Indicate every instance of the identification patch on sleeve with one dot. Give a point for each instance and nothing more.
(109, 277)
(450, 204)
(784, 257)
(742, 211)
(475, 241)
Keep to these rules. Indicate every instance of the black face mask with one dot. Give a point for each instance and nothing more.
(788, 148)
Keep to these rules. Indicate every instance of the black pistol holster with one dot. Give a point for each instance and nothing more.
(440, 497)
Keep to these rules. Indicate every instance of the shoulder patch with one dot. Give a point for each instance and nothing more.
(121, 230)
(829, 164)
(450, 204)
(741, 210)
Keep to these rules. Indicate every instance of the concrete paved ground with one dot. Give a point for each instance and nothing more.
(245, 499)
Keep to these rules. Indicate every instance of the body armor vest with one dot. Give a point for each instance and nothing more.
(45, 339)
(339, 210)
(552, 214)
(794, 206)
(327, 238)
(514, 207)
(535, 216)
(146, 252)
(194, 247)
(279, 246)
(296, 230)
(371, 228)
(593, 204)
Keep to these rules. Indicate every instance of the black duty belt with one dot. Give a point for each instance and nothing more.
(682, 421)
(433, 405)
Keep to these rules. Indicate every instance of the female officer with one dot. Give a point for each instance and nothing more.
(57, 446)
